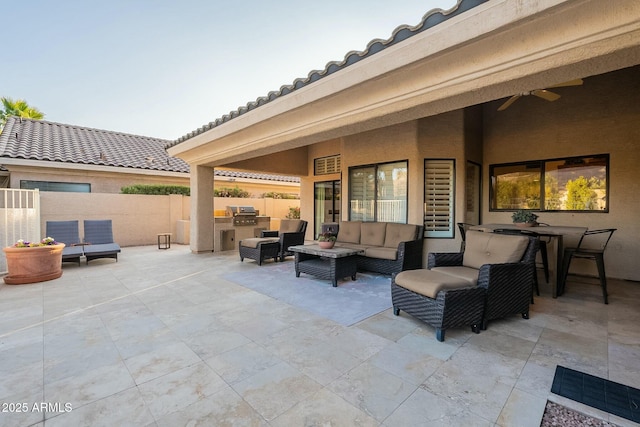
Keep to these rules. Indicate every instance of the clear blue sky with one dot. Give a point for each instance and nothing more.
(164, 68)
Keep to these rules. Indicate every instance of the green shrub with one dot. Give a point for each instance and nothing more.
(156, 189)
(294, 212)
(276, 195)
(231, 192)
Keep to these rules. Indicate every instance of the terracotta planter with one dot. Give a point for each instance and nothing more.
(31, 265)
(326, 245)
(526, 224)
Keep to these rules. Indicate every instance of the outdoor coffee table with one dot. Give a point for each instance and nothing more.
(331, 264)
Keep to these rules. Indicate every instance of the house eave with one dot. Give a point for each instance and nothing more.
(89, 168)
(490, 52)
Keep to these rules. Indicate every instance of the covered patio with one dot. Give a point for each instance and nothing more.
(163, 338)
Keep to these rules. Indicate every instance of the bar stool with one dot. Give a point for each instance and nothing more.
(463, 227)
(592, 245)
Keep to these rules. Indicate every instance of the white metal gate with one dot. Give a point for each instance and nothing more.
(19, 218)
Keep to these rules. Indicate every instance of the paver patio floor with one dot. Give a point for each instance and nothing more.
(161, 339)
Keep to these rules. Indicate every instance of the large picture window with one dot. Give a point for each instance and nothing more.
(568, 184)
(378, 192)
(73, 187)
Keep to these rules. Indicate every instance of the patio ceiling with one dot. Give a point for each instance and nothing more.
(490, 52)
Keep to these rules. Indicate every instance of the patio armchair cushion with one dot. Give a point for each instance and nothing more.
(491, 248)
(429, 282)
(291, 225)
(468, 274)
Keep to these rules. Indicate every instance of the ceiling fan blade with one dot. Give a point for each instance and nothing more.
(576, 82)
(510, 101)
(545, 94)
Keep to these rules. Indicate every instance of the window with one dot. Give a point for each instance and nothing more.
(568, 184)
(378, 192)
(439, 185)
(73, 187)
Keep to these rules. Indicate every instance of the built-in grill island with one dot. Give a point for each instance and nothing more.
(238, 222)
(242, 215)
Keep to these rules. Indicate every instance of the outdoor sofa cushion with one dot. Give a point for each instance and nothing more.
(492, 248)
(372, 233)
(381, 253)
(349, 232)
(397, 233)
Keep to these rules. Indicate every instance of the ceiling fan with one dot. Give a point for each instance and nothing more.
(541, 93)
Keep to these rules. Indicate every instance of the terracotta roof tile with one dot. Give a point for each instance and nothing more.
(56, 142)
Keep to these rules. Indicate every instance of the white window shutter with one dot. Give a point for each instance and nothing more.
(439, 198)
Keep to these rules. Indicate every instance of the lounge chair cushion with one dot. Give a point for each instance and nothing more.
(101, 249)
(372, 233)
(428, 282)
(349, 232)
(72, 251)
(253, 242)
(397, 233)
(492, 248)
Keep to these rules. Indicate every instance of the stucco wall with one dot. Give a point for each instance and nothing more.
(598, 117)
(137, 219)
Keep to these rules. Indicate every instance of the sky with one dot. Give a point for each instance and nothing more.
(165, 68)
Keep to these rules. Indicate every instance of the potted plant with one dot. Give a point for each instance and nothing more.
(31, 262)
(326, 240)
(524, 218)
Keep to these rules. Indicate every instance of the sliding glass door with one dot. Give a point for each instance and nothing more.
(327, 204)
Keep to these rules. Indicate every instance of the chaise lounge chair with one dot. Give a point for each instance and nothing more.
(98, 240)
(66, 232)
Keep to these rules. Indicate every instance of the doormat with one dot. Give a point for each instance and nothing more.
(614, 398)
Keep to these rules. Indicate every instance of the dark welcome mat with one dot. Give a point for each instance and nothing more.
(608, 396)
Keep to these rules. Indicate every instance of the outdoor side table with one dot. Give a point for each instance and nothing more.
(164, 240)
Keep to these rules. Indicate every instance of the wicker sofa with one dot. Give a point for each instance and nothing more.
(491, 279)
(388, 247)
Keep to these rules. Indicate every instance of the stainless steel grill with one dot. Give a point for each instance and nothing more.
(243, 215)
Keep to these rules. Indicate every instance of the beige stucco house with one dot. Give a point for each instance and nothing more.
(426, 108)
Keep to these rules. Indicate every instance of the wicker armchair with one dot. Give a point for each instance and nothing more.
(274, 243)
(449, 294)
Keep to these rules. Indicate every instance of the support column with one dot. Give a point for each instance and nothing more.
(201, 239)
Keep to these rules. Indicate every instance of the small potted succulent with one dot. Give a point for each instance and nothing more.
(31, 262)
(326, 240)
(524, 218)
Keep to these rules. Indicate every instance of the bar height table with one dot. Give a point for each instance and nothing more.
(555, 232)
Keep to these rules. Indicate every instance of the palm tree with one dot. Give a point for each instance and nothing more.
(18, 108)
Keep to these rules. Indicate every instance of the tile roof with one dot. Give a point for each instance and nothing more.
(403, 32)
(56, 142)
